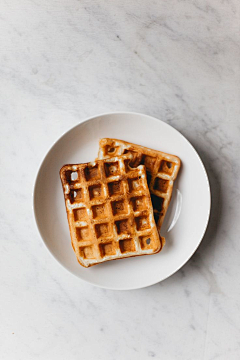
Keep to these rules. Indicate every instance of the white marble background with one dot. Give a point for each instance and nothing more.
(63, 60)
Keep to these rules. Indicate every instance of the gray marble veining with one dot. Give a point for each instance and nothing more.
(61, 61)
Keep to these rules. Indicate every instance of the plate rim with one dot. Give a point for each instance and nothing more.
(92, 118)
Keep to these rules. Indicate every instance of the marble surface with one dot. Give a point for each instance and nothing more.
(61, 61)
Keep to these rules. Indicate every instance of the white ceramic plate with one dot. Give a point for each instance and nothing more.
(186, 219)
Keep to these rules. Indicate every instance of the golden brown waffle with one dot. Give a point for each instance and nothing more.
(109, 210)
(162, 169)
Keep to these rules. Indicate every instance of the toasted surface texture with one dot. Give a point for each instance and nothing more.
(162, 169)
(109, 210)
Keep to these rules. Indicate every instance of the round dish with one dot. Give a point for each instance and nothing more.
(186, 219)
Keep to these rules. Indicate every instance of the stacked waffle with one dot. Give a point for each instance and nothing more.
(116, 204)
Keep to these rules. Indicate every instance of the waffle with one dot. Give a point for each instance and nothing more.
(109, 210)
(162, 169)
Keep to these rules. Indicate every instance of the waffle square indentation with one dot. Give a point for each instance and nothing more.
(119, 207)
(107, 249)
(102, 230)
(82, 233)
(142, 223)
(136, 158)
(111, 150)
(99, 211)
(72, 176)
(127, 165)
(80, 214)
(166, 167)
(87, 252)
(92, 173)
(138, 203)
(161, 185)
(95, 191)
(115, 188)
(149, 162)
(145, 242)
(134, 184)
(123, 226)
(126, 246)
(111, 168)
(76, 195)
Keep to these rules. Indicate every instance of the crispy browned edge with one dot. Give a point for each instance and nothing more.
(162, 242)
(144, 147)
(161, 238)
(60, 172)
